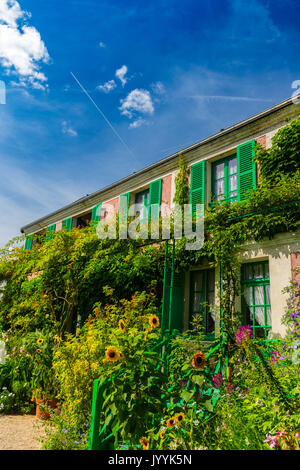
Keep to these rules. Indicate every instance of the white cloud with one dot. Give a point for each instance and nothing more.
(10, 12)
(135, 124)
(158, 88)
(108, 86)
(67, 129)
(137, 101)
(102, 44)
(21, 48)
(120, 74)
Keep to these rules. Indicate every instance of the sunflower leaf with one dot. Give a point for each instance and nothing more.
(186, 395)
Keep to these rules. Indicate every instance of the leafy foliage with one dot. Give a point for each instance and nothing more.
(282, 158)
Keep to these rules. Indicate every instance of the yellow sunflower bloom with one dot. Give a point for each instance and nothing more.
(154, 321)
(199, 360)
(38, 351)
(179, 418)
(162, 435)
(122, 326)
(171, 422)
(145, 443)
(112, 354)
(40, 341)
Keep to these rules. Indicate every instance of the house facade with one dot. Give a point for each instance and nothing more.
(221, 169)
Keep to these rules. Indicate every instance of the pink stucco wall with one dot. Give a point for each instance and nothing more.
(262, 141)
(166, 195)
(106, 210)
(58, 226)
(295, 265)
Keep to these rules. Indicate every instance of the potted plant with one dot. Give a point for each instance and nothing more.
(44, 383)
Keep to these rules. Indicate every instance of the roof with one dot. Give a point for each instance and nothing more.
(89, 200)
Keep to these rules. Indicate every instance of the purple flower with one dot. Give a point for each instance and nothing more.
(243, 334)
(230, 388)
(218, 380)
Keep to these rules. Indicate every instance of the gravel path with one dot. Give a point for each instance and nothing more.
(20, 432)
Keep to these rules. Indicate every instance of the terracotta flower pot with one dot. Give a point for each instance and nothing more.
(39, 414)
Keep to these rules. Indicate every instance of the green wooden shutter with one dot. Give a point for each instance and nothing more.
(124, 202)
(67, 223)
(173, 312)
(166, 299)
(155, 196)
(96, 214)
(246, 169)
(28, 243)
(50, 232)
(177, 301)
(197, 192)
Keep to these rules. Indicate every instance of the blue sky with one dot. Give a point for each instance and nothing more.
(164, 73)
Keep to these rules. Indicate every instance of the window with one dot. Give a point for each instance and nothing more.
(224, 180)
(202, 299)
(256, 304)
(84, 220)
(142, 204)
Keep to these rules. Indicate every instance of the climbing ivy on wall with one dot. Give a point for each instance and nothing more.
(181, 183)
(283, 158)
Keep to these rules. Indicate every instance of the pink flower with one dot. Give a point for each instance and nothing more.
(273, 441)
(243, 334)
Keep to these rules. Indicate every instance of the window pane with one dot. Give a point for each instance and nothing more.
(259, 295)
(210, 323)
(197, 302)
(210, 299)
(219, 187)
(248, 315)
(232, 166)
(139, 198)
(269, 318)
(232, 183)
(259, 316)
(247, 272)
(219, 171)
(268, 300)
(248, 295)
(267, 275)
(197, 281)
(211, 281)
(258, 271)
(259, 333)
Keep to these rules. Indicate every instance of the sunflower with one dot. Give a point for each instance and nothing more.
(199, 360)
(144, 443)
(57, 376)
(179, 418)
(112, 354)
(154, 321)
(38, 351)
(40, 341)
(171, 422)
(122, 326)
(162, 435)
